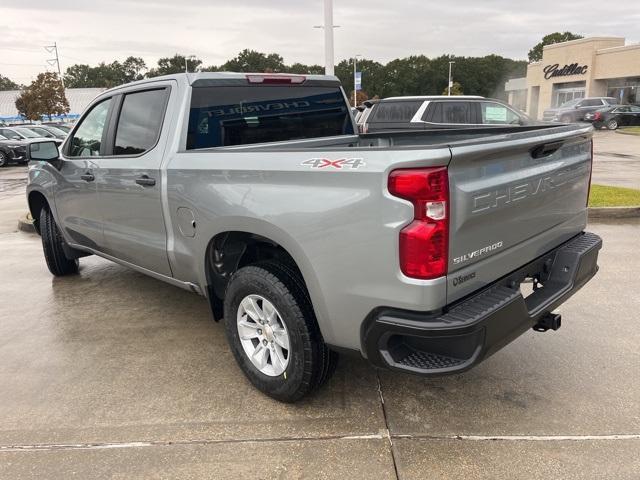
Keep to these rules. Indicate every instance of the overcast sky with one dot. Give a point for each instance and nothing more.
(90, 31)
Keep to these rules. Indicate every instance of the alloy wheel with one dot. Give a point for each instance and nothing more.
(263, 335)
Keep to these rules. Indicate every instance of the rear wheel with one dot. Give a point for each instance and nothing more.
(612, 124)
(3, 159)
(52, 245)
(273, 332)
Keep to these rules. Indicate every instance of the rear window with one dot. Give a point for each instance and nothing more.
(395, 111)
(241, 115)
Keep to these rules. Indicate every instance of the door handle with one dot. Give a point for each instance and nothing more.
(146, 181)
(88, 177)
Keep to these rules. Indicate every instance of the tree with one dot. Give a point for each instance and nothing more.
(300, 68)
(44, 97)
(8, 84)
(361, 97)
(252, 61)
(175, 64)
(105, 75)
(133, 68)
(535, 54)
(456, 89)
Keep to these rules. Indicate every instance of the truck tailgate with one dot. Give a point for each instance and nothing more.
(512, 200)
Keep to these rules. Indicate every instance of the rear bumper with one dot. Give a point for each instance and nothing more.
(471, 330)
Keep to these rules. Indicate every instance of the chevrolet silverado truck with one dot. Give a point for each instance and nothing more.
(310, 240)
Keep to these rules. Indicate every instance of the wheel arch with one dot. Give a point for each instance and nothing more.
(229, 250)
(37, 201)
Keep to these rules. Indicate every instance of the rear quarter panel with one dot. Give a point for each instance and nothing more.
(340, 225)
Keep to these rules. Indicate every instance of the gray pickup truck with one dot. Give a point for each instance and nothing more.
(407, 248)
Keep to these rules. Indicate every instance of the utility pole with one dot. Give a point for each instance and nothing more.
(54, 49)
(355, 75)
(450, 79)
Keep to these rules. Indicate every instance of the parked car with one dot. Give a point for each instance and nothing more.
(363, 113)
(613, 117)
(309, 239)
(23, 134)
(65, 127)
(47, 131)
(12, 151)
(433, 112)
(575, 110)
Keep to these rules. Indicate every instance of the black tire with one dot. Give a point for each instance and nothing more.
(612, 124)
(311, 362)
(4, 159)
(52, 242)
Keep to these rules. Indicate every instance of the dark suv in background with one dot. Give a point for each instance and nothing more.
(575, 110)
(435, 112)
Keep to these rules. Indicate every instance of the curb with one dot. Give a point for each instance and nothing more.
(622, 132)
(614, 212)
(25, 224)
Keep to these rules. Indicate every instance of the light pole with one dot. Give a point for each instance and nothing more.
(449, 87)
(329, 68)
(355, 75)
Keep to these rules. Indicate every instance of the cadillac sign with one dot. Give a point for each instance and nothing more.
(554, 70)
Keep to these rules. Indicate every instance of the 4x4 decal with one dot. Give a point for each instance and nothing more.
(340, 163)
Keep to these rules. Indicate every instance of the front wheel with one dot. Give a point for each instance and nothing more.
(612, 124)
(52, 245)
(273, 332)
(4, 159)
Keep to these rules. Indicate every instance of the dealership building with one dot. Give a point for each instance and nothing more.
(589, 67)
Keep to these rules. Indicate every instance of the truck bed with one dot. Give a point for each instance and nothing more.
(413, 139)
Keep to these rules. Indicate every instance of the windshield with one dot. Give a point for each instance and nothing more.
(26, 132)
(571, 103)
(41, 132)
(57, 131)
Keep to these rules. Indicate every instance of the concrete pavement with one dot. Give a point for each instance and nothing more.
(111, 374)
(616, 159)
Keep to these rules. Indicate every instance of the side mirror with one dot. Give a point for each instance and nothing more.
(44, 151)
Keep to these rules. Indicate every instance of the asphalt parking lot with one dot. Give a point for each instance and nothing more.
(111, 374)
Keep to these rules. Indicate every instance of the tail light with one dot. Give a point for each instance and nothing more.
(424, 243)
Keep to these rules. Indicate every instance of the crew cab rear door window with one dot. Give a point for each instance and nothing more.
(140, 121)
(395, 112)
(241, 115)
(593, 102)
(451, 112)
